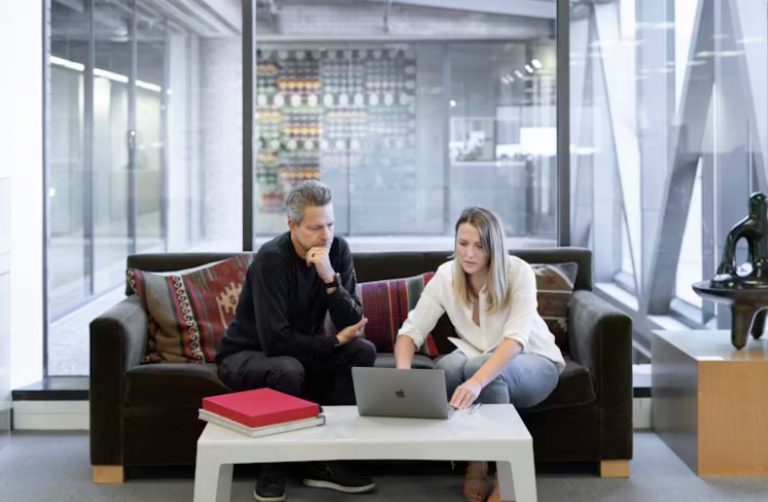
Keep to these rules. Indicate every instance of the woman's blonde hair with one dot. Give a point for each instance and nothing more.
(489, 226)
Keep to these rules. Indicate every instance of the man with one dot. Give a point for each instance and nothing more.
(276, 339)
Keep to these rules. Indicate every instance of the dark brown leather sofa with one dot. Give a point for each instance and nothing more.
(146, 414)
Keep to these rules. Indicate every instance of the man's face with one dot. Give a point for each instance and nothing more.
(315, 228)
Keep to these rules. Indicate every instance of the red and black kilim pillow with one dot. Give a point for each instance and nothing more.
(189, 311)
(386, 305)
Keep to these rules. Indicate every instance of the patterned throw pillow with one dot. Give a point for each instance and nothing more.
(386, 305)
(189, 310)
(554, 289)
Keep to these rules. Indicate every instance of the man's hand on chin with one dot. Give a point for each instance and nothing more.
(319, 257)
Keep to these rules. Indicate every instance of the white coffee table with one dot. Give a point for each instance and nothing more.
(494, 433)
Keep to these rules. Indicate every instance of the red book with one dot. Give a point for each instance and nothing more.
(259, 407)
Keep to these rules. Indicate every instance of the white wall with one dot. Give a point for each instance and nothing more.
(5, 302)
(21, 162)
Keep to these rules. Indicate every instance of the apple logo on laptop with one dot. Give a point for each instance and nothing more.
(400, 393)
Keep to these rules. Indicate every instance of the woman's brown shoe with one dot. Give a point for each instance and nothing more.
(475, 486)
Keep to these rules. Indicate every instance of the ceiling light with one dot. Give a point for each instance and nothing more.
(110, 75)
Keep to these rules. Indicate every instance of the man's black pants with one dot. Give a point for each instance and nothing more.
(326, 382)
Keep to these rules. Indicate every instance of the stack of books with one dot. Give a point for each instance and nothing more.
(261, 412)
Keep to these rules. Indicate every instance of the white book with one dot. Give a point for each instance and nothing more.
(467, 348)
(264, 430)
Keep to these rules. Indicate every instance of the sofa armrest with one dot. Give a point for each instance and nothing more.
(118, 341)
(600, 338)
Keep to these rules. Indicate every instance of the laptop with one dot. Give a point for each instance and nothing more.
(389, 392)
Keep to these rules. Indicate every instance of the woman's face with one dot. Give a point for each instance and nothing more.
(472, 255)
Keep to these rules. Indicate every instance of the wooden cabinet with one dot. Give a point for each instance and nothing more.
(710, 401)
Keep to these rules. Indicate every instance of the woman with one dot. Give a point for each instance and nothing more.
(490, 298)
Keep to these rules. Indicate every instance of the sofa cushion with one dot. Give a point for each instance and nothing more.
(554, 289)
(189, 311)
(386, 305)
(171, 385)
(574, 388)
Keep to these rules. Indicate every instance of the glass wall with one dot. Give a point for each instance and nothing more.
(669, 135)
(410, 111)
(409, 118)
(145, 140)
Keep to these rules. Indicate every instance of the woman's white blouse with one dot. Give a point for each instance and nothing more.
(519, 320)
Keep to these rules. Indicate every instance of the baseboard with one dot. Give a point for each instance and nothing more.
(74, 415)
(51, 415)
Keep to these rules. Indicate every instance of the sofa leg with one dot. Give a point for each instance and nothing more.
(614, 468)
(108, 474)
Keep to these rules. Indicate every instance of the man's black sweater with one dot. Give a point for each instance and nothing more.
(283, 304)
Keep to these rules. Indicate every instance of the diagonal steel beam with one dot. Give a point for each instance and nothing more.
(686, 148)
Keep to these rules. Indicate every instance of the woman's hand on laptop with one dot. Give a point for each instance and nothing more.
(465, 394)
(349, 333)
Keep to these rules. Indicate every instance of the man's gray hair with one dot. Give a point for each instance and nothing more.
(306, 194)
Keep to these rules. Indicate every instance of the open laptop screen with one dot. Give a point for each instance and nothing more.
(389, 392)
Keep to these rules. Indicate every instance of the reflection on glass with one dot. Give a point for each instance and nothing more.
(68, 272)
(503, 136)
(409, 132)
(150, 136)
(164, 169)
(111, 178)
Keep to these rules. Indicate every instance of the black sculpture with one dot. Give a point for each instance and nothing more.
(753, 228)
(748, 293)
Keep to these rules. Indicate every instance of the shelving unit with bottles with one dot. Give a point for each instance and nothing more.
(288, 111)
(390, 140)
(324, 113)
